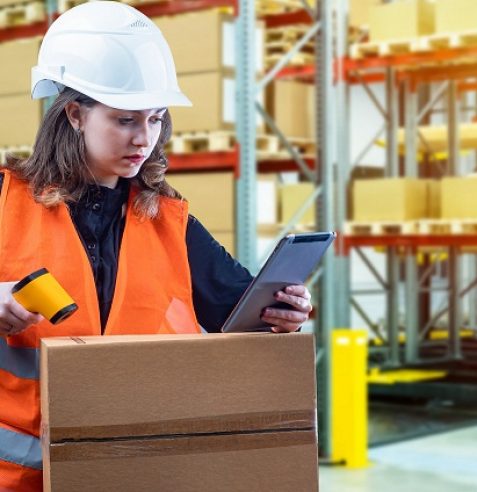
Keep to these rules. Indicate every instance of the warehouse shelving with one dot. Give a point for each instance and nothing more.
(404, 73)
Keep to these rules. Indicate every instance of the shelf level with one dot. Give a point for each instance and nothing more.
(413, 241)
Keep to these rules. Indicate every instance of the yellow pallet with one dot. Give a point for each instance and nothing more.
(376, 376)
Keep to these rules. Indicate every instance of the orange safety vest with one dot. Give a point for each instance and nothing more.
(153, 294)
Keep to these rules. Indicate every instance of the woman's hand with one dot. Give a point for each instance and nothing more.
(14, 318)
(288, 320)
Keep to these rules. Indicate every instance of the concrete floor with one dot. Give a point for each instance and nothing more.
(445, 462)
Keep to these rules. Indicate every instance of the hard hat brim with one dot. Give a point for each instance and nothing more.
(121, 100)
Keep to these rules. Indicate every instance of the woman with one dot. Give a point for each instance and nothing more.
(92, 206)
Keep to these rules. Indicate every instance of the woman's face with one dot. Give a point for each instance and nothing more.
(117, 141)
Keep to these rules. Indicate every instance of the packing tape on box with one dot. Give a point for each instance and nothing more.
(176, 445)
(257, 421)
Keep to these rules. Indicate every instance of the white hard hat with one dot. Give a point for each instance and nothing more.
(110, 52)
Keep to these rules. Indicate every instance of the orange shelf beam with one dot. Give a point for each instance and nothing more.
(170, 7)
(286, 18)
(283, 165)
(409, 241)
(305, 73)
(28, 31)
(205, 161)
(173, 7)
(412, 61)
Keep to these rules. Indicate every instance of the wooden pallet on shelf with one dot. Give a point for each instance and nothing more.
(143, 2)
(419, 44)
(451, 40)
(270, 7)
(422, 227)
(379, 228)
(64, 5)
(388, 47)
(301, 59)
(18, 151)
(22, 14)
(219, 141)
(304, 146)
(447, 226)
(288, 33)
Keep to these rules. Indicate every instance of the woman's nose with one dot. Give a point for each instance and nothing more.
(142, 138)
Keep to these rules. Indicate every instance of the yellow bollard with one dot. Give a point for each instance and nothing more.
(349, 397)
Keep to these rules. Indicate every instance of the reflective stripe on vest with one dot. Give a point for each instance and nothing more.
(21, 449)
(20, 361)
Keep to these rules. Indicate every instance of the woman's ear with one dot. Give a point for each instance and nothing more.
(73, 113)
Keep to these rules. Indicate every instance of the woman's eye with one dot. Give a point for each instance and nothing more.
(125, 121)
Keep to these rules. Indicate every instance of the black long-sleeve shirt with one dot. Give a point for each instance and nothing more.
(218, 281)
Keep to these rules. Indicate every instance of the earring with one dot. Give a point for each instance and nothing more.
(78, 131)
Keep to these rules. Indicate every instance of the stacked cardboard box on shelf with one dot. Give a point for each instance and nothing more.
(205, 64)
(179, 413)
(359, 11)
(402, 19)
(459, 197)
(19, 116)
(211, 198)
(292, 105)
(456, 16)
(390, 199)
(292, 198)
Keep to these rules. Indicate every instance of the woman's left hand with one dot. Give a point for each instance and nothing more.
(288, 320)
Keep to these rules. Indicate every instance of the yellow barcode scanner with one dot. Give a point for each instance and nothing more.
(40, 292)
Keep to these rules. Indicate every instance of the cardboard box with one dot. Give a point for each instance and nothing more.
(454, 16)
(292, 197)
(211, 197)
(459, 198)
(359, 12)
(437, 138)
(390, 199)
(210, 42)
(267, 199)
(20, 119)
(179, 413)
(214, 112)
(402, 19)
(292, 104)
(17, 59)
(434, 198)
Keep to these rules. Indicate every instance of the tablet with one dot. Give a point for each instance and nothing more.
(293, 260)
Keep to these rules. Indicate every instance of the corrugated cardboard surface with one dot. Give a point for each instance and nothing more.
(211, 197)
(390, 199)
(160, 385)
(359, 12)
(292, 198)
(17, 59)
(213, 103)
(210, 41)
(402, 19)
(455, 16)
(292, 105)
(207, 93)
(20, 119)
(459, 198)
(287, 468)
(179, 413)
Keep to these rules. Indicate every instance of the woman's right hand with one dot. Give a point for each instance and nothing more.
(14, 318)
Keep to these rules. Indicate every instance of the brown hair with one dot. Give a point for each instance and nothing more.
(57, 170)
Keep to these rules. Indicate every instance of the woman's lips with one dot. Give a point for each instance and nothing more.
(135, 158)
